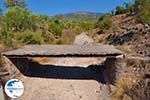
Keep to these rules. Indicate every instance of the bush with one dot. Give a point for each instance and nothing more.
(144, 16)
(7, 39)
(29, 37)
(56, 26)
(18, 19)
(87, 25)
(128, 7)
(59, 42)
(104, 22)
(81, 26)
(119, 10)
(15, 39)
(142, 10)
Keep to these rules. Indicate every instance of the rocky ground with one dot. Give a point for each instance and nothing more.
(130, 36)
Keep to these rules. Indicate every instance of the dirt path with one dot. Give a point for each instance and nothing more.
(38, 88)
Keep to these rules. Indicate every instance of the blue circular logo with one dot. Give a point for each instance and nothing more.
(14, 88)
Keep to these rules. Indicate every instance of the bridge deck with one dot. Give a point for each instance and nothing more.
(63, 51)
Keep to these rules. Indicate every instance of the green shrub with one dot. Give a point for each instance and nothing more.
(87, 25)
(128, 7)
(60, 41)
(15, 39)
(104, 22)
(142, 10)
(56, 26)
(17, 19)
(119, 10)
(77, 29)
(29, 37)
(144, 16)
(6, 38)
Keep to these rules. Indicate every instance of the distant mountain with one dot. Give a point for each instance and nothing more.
(82, 15)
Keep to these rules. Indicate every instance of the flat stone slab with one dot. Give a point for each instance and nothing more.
(63, 51)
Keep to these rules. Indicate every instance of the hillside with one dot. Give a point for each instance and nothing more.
(129, 35)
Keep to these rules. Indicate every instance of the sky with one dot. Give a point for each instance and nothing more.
(54, 7)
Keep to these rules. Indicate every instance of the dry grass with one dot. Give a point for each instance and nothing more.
(141, 91)
(131, 84)
(123, 85)
(2, 68)
(125, 49)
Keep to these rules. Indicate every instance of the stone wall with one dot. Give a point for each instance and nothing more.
(116, 67)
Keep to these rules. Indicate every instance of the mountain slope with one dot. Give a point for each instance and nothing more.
(126, 33)
(82, 15)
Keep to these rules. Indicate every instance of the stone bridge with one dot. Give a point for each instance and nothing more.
(63, 51)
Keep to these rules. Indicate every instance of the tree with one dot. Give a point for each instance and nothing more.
(104, 22)
(128, 7)
(18, 3)
(17, 19)
(119, 10)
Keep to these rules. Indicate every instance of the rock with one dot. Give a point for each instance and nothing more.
(124, 38)
(83, 39)
(105, 92)
(139, 26)
(146, 26)
(111, 36)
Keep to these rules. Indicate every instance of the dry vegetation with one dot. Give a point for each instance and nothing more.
(133, 84)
